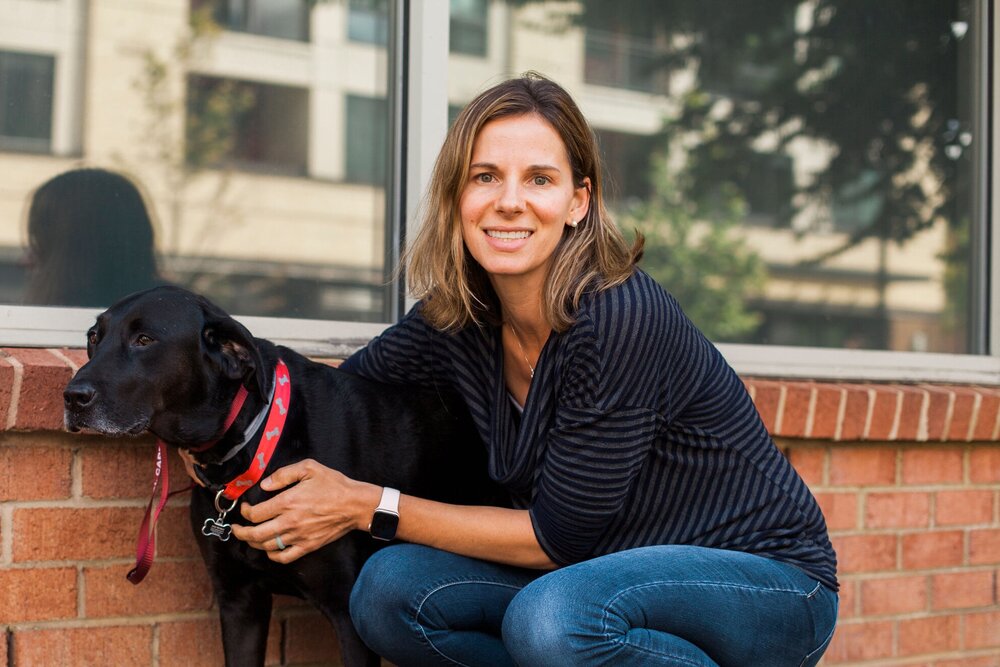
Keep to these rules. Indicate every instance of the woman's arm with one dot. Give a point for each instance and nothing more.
(322, 505)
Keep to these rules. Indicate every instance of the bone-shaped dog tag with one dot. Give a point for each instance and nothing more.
(216, 528)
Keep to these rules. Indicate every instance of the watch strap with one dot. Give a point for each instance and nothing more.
(389, 501)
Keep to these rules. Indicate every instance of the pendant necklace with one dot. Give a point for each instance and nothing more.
(517, 339)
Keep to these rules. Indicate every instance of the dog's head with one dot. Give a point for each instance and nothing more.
(166, 361)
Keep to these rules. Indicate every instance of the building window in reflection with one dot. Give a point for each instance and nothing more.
(26, 102)
(468, 27)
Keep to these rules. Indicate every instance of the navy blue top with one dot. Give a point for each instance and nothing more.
(635, 432)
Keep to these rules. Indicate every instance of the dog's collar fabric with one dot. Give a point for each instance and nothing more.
(234, 412)
(252, 428)
(276, 417)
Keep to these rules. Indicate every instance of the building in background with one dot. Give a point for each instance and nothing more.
(262, 134)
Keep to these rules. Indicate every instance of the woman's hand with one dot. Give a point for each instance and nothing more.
(321, 506)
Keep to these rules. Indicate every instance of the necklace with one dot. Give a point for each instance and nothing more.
(517, 339)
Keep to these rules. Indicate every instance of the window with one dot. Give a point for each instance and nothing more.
(248, 125)
(367, 21)
(282, 19)
(272, 168)
(621, 50)
(235, 149)
(467, 32)
(837, 146)
(366, 140)
(26, 102)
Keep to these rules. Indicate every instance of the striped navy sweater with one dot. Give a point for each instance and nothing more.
(635, 432)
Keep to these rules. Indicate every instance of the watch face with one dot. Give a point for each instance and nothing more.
(384, 525)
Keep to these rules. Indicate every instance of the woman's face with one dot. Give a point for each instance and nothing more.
(518, 197)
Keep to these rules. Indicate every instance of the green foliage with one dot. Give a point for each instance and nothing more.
(698, 254)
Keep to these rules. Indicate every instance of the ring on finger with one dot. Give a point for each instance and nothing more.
(280, 543)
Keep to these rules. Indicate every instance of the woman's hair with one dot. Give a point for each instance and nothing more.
(90, 240)
(592, 256)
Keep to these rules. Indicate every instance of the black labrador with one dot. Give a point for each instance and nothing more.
(169, 362)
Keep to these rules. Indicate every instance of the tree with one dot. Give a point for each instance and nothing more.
(873, 84)
(699, 256)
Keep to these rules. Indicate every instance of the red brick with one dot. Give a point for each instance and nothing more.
(311, 639)
(35, 473)
(865, 553)
(795, 414)
(848, 599)
(932, 465)
(855, 642)
(962, 590)
(77, 355)
(887, 404)
(808, 462)
(826, 414)
(37, 594)
(191, 643)
(862, 466)
(170, 587)
(927, 550)
(954, 508)
(6, 389)
(174, 538)
(118, 469)
(839, 509)
(962, 413)
(896, 595)
(939, 408)
(767, 397)
(274, 654)
(75, 533)
(934, 634)
(984, 547)
(855, 420)
(40, 404)
(984, 464)
(3, 649)
(84, 647)
(989, 414)
(974, 661)
(982, 630)
(897, 510)
(911, 413)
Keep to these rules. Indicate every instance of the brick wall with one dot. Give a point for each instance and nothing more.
(908, 477)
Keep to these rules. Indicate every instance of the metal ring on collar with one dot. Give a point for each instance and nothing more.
(218, 506)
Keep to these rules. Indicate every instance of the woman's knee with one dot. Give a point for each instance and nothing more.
(546, 619)
(380, 600)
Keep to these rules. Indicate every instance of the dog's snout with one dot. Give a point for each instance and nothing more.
(79, 394)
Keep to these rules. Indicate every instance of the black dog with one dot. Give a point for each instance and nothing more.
(170, 362)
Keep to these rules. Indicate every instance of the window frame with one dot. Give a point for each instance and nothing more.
(419, 119)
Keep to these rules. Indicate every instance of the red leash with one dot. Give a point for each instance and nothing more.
(146, 543)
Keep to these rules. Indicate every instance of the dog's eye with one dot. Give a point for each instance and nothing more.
(91, 338)
(143, 340)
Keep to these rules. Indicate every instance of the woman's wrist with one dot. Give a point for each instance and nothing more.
(368, 496)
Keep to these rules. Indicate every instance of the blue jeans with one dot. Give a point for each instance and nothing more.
(662, 605)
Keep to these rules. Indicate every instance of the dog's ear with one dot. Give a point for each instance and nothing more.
(232, 347)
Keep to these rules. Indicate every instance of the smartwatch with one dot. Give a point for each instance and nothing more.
(385, 520)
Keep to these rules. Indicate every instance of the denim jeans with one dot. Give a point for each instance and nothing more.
(661, 605)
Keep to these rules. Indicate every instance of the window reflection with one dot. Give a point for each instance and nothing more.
(256, 130)
(25, 101)
(805, 172)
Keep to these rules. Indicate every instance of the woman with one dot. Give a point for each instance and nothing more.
(638, 468)
(90, 240)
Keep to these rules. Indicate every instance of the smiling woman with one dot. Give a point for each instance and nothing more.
(606, 416)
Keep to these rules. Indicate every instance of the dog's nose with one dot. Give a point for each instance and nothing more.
(79, 395)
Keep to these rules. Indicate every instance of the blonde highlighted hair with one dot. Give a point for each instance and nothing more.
(591, 256)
